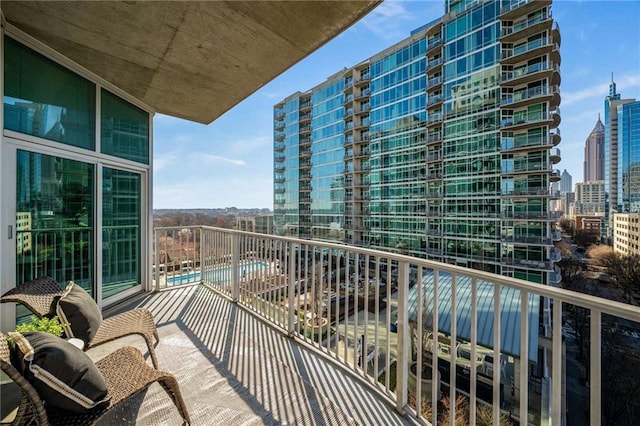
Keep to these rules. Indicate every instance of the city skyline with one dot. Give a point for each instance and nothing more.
(229, 162)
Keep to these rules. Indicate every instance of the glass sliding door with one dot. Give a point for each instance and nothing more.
(54, 219)
(121, 233)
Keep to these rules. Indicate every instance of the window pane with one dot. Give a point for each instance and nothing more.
(54, 219)
(124, 129)
(120, 231)
(46, 100)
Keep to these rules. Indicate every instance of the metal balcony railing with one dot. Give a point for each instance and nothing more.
(498, 331)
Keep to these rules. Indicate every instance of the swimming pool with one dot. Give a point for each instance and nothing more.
(217, 275)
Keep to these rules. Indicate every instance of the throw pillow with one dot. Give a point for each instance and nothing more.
(79, 313)
(63, 375)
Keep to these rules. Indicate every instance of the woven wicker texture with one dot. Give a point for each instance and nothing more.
(30, 409)
(125, 372)
(41, 295)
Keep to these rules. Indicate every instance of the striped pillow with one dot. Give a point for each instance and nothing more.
(63, 375)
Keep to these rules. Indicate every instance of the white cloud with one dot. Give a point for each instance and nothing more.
(600, 90)
(210, 158)
(388, 20)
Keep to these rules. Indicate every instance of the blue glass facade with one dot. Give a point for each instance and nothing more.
(441, 146)
(629, 157)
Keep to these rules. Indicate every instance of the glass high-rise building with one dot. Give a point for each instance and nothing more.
(628, 172)
(441, 146)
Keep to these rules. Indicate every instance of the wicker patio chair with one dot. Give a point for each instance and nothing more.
(41, 295)
(125, 372)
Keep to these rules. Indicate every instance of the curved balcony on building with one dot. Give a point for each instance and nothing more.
(279, 179)
(530, 73)
(279, 190)
(434, 136)
(279, 137)
(555, 254)
(530, 50)
(305, 117)
(555, 277)
(434, 118)
(305, 152)
(527, 26)
(556, 117)
(305, 105)
(434, 43)
(279, 158)
(554, 134)
(514, 9)
(555, 176)
(434, 157)
(279, 116)
(534, 95)
(363, 109)
(279, 168)
(364, 79)
(554, 155)
(523, 121)
(280, 126)
(305, 129)
(434, 82)
(555, 235)
(525, 169)
(525, 239)
(348, 126)
(304, 141)
(527, 192)
(538, 265)
(364, 94)
(305, 164)
(279, 147)
(523, 142)
(432, 63)
(434, 100)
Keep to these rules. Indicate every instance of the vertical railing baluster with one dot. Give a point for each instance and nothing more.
(557, 363)
(292, 279)
(595, 397)
(474, 343)
(452, 348)
(235, 255)
(435, 383)
(404, 335)
(524, 355)
(496, 354)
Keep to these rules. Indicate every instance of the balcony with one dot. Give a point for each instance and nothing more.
(239, 331)
(279, 127)
(279, 158)
(434, 43)
(433, 82)
(523, 141)
(279, 147)
(524, 120)
(530, 96)
(433, 63)
(555, 254)
(528, 74)
(528, 50)
(555, 175)
(528, 26)
(554, 155)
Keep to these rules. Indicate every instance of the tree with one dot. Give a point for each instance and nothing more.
(625, 274)
(567, 226)
(585, 238)
(602, 255)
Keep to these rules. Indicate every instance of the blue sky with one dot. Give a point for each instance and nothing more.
(229, 162)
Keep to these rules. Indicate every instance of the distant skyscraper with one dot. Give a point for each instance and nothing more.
(611, 182)
(593, 168)
(566, 182)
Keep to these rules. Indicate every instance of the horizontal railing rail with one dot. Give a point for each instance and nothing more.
(389, 318)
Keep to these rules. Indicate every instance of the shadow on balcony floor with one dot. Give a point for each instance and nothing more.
(234, 369)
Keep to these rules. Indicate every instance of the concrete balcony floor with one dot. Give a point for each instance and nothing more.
(235, 369)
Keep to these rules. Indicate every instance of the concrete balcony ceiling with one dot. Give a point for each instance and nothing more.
(193, 60)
